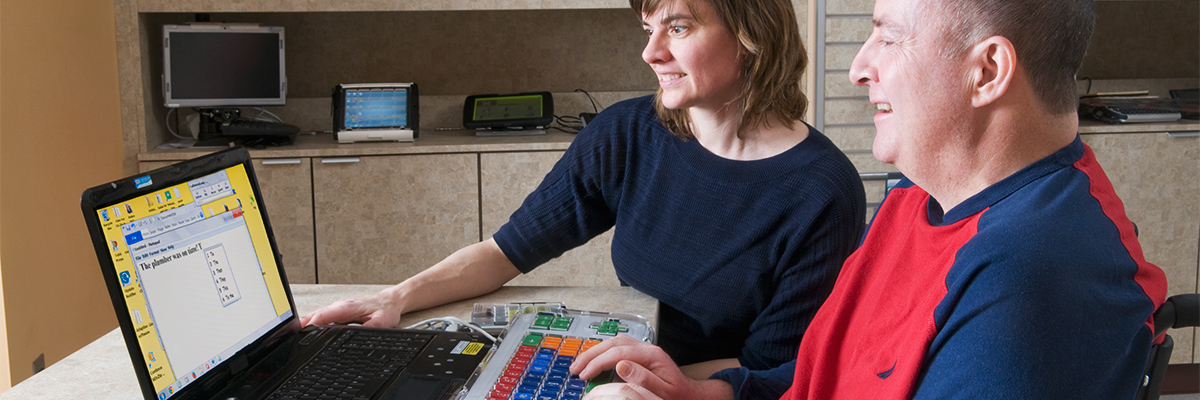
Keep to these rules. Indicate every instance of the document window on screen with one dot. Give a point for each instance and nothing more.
(203, 281)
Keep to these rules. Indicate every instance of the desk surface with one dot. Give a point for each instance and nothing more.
(102, 370)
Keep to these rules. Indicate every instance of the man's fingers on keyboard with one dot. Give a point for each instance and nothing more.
(638, 352)
(583, 364)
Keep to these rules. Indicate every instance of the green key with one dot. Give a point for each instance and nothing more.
(609, 328)
(604, 377)
(532, 339)
(543, 321)
(561, 323)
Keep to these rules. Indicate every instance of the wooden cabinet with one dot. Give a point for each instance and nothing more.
(382, 219)
(1157, 177)
(505, 180)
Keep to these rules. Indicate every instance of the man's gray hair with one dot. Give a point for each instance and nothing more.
(1050, 37)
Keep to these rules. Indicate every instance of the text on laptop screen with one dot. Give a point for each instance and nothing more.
(198, 274)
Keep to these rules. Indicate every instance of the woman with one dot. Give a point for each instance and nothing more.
(728, 209)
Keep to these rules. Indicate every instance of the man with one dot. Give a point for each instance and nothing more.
(1003, 266)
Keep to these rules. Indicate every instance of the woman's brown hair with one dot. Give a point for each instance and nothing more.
(773, 56)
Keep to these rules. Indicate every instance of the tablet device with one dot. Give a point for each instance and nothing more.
(534, 110)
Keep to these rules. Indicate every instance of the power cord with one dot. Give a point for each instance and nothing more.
(171, 127)
(450, 324)
(261, 111)
(574, 124)
(568, 123)
(589, 96)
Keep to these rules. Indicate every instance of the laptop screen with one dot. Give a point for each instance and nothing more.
(197, 273)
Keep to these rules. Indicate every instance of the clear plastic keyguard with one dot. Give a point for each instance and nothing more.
(540, 340)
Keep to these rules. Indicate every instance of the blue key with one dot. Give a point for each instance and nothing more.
(535, 374)
(523, 396)
(568, 396)
(556, 376)
(530, 381)
(552, 385)
(571, 393)
(576, 384)
(527, 389)
(560, 362)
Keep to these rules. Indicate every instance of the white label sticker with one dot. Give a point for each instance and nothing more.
(458, 349)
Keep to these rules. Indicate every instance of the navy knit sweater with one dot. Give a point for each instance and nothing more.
(740, 254)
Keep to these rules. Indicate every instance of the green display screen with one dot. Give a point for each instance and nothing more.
(507, 107)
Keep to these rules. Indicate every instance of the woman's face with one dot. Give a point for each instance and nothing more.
(695, 57)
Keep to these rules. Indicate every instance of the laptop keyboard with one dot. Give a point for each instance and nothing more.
(354, 365)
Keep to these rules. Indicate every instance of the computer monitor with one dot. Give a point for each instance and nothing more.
(210, 65)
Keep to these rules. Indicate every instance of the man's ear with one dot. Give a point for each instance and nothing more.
(993, 66)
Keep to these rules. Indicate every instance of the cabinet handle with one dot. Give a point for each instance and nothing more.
(879, 176)
(1184, 134)
(280, 161)
(339, 160)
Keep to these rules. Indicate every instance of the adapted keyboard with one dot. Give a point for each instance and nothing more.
(354, 366)
(536, 350)
(241, 127)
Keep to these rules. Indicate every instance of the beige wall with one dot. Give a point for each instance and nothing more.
(60, 132)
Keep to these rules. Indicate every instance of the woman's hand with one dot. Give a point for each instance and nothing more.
(374, 311)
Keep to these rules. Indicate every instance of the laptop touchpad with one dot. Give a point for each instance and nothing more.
(413, 386)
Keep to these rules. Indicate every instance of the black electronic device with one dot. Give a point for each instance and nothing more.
(223, 65)
(376, 112)
(533, 110)
(198, 284)
(586, 118)
(216, 67)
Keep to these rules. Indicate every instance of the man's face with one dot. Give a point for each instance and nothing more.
(694, 56)
(920, 96)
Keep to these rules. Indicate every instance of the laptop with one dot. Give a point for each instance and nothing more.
(204, 304)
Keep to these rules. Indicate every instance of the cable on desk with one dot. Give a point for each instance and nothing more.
(450, 324)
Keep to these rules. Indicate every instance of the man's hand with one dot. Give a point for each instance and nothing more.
(374, 311)
(647, 370)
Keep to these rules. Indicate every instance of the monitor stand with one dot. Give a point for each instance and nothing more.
(210, 122)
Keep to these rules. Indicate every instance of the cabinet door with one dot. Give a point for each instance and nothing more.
(1156, 177)
(380, 220)
(506, 179)
(286, 186)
